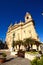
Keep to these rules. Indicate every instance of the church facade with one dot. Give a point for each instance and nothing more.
(21, 31)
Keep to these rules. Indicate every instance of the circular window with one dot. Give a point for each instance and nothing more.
(27, 17)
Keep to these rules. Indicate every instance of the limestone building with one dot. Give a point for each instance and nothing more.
(21, 31)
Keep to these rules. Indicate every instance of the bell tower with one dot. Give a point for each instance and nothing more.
(28, 17)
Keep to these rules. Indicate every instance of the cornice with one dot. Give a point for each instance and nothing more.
(20, 25)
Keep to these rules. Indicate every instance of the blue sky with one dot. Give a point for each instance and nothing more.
(14, 10)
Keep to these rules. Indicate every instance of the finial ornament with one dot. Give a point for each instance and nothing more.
(10, 25)
(27, 13)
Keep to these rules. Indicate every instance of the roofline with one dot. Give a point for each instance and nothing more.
(14, 27)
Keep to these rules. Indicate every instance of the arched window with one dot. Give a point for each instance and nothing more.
(14, 34)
